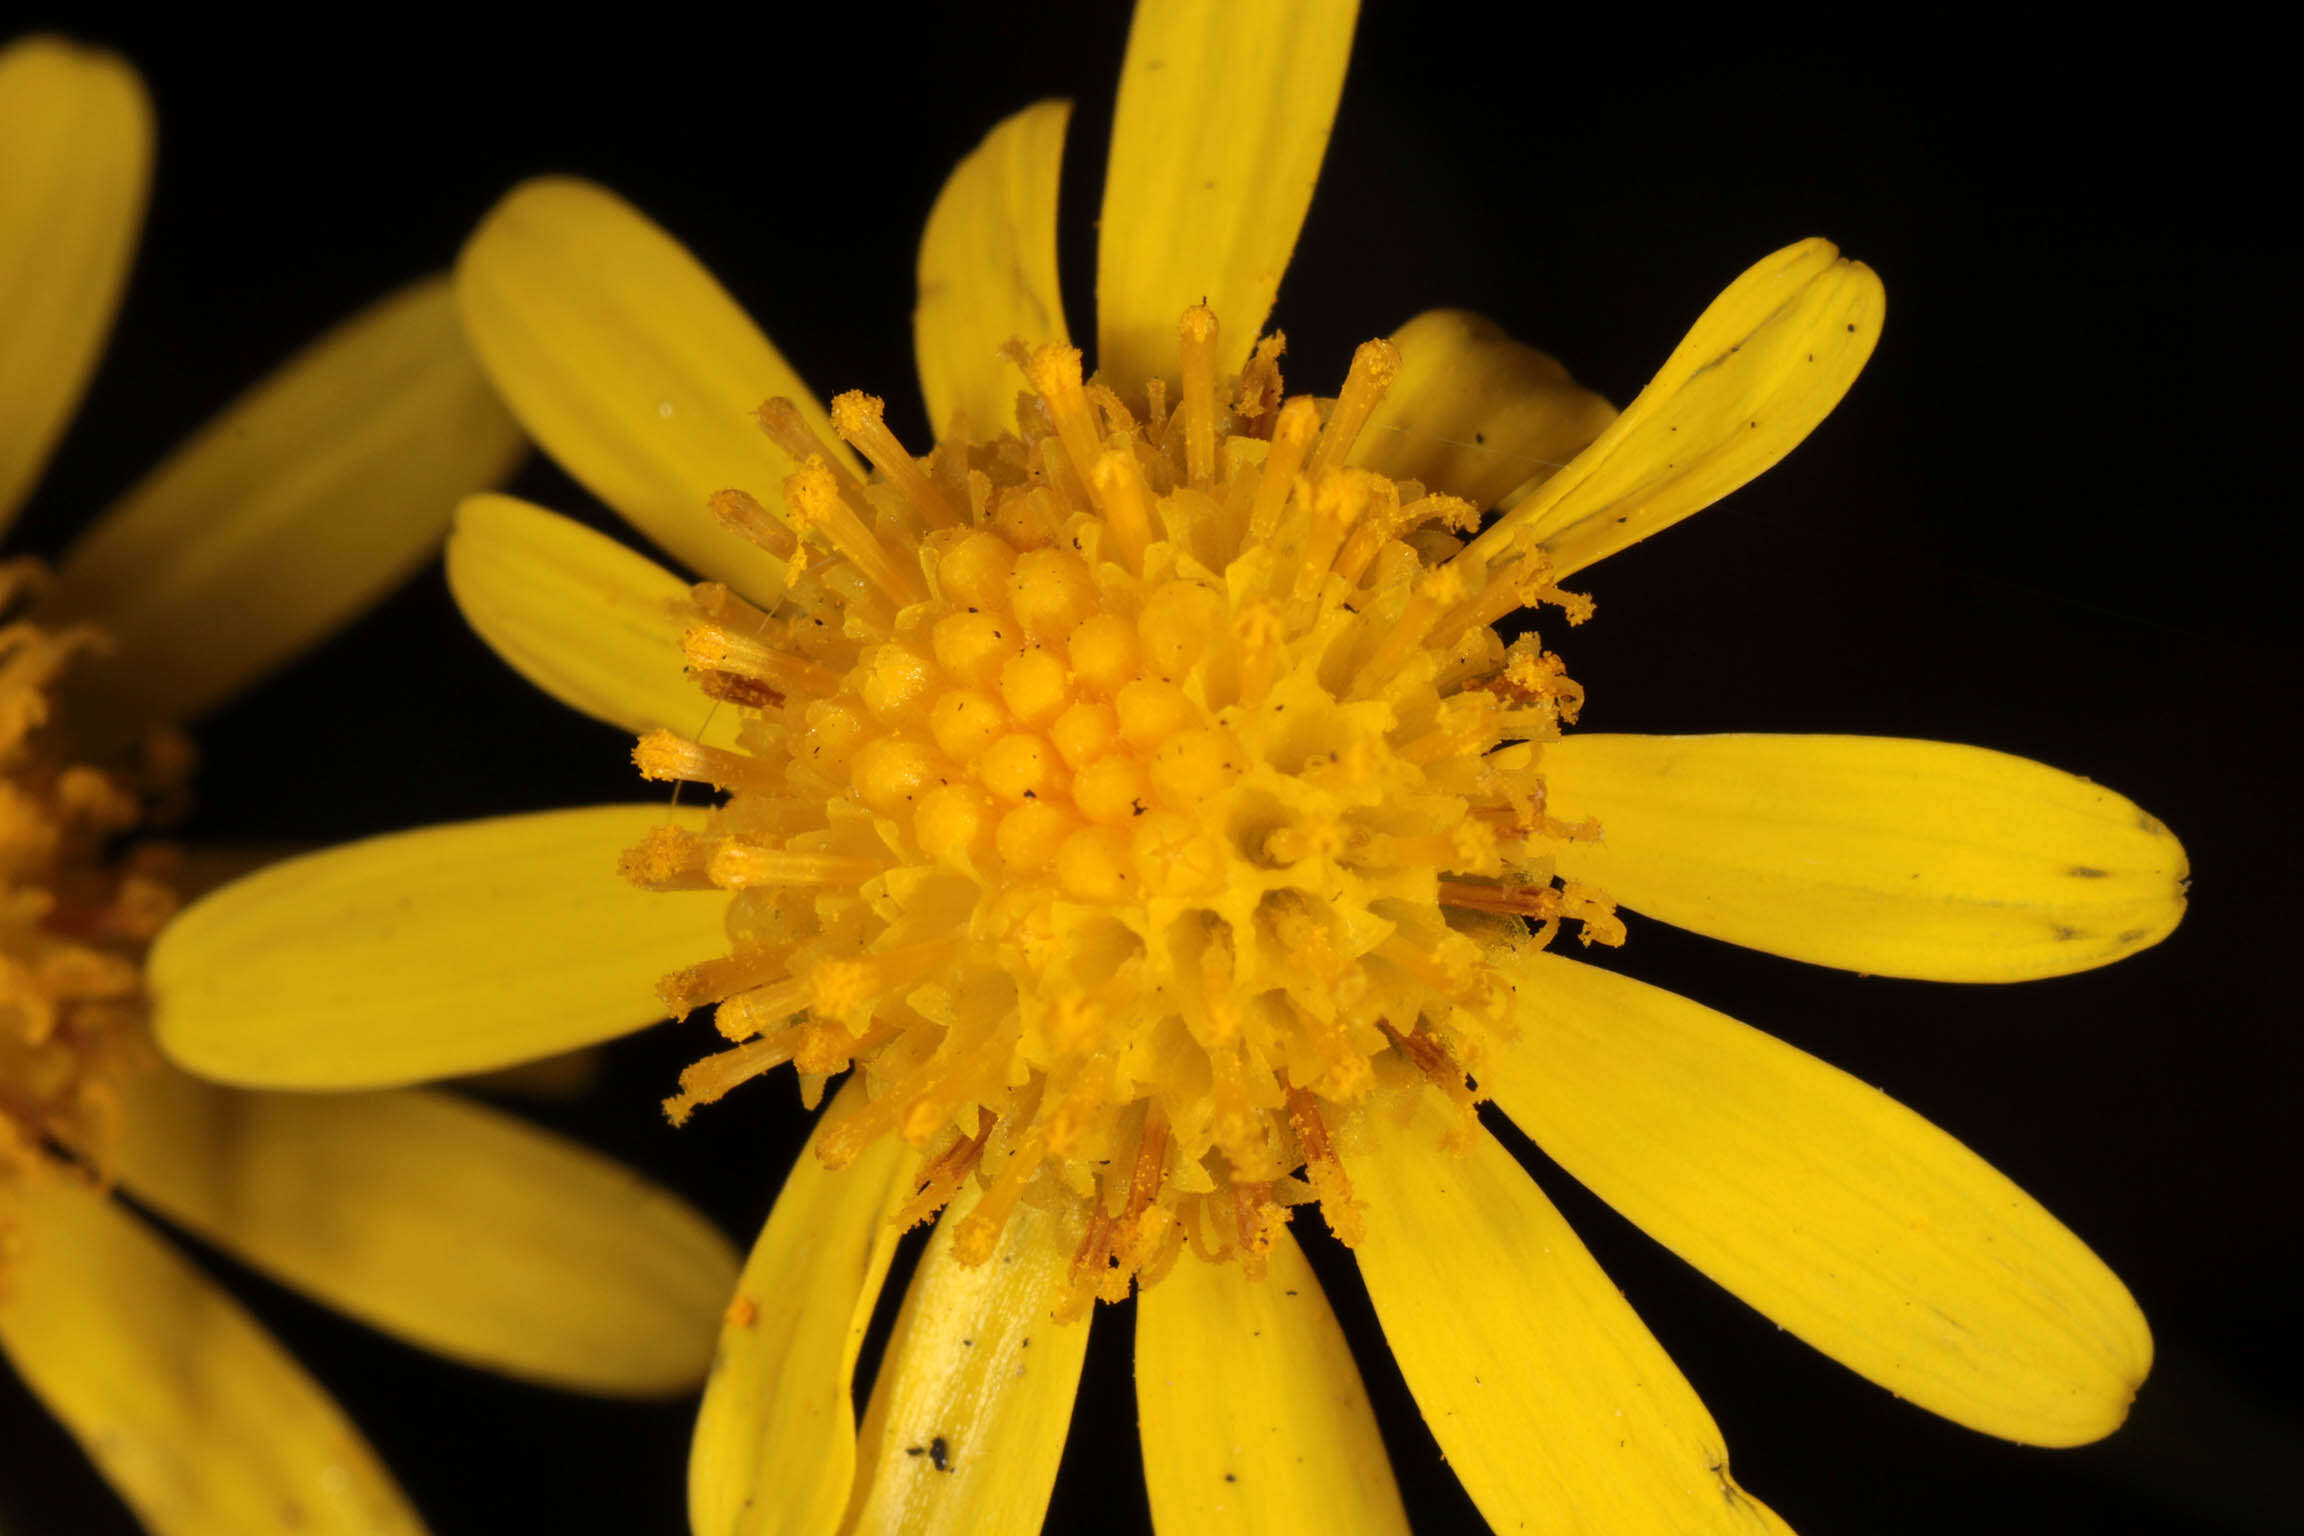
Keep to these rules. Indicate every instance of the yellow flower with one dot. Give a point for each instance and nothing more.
(1136, 792)
(450, 1225)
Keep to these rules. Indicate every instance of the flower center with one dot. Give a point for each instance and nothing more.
(1130, 798)
(74, 923)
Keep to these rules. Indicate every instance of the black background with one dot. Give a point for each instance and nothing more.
(2053, 517)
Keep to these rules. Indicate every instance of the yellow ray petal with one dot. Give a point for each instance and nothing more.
(204, 1424)
(632, 367)
(1554, 1405)
(775, 1448)
(988, 272)
(1222, 121)
(1475, 413)
(1826, 1204)
(1901, 858)
(968, 1418)
(580, 616)
(1252, 1413)
(300, 505)
(1762, 366)
(423, 954)
(75, 159)
(455, 1227)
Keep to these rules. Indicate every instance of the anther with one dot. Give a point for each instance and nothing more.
(1330, 1185)
(788, 430)
(1054, 373)
(861, 421)
(716, 980)
(741, 513)
(1436, 593)
(710, 1080)
(1260, 382)
(1375, 364)
(740, 865)
(714, 648)
(1198, 332)
(1119, 488)
(1291, 440)
(814, 497)
(662, 756)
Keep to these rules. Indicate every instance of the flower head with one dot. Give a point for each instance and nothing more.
(451, 1225)
(1138, 794)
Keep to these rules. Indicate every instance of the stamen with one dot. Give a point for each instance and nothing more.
(741, 514)
(1375, 364)
(815, 499)
(1391, 519)
(1436, 592)
(788, 430)
(709, 1081)
(1329, 1183)
(715, 980)
(1260, 383)
(1054, 371)
(1291, 441)
(739, 865)
(663, 756)
(1119, 488)
(1256, 1218)
(669, 859)
(940, 1177)
(1199, 369)
(980, 1233)
(861, 421)
(711, 648)
(1338, 501)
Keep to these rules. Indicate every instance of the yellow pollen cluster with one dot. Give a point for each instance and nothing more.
(74, 924)
(1130, 798)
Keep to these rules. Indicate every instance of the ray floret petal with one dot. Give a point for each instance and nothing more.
(75, 163)
(204, 1424)
(323, 488)
(628, 363)
(1839, 1213)
(443, 1222)
(317, 972)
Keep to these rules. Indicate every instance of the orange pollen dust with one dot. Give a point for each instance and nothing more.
(74, 921)
(1129, 798)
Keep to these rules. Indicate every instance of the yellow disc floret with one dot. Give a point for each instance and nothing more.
(1130, 799)
(74, 922)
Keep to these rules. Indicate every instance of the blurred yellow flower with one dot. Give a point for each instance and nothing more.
(1137, 794)
(452, 1226)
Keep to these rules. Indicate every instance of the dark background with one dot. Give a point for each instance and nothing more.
(2053, 517)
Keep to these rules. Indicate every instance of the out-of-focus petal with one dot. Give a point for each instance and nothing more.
(458, 1228)
(291, 513)
(75, 160)
(205, 1425)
